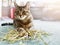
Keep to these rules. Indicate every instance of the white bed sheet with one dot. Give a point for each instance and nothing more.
(48, 26)
(52, 27)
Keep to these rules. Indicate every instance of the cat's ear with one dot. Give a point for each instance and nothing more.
(27, 6)
(15, 4)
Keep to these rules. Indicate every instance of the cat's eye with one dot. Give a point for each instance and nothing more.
(25, 12)
(17, 12)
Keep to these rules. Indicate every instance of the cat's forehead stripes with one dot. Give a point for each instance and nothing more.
(21, 8)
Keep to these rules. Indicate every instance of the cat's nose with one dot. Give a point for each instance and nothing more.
(20, 13)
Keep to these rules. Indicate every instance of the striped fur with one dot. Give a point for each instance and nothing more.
(23, 17)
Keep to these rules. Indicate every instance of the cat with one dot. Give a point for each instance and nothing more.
(22, 16)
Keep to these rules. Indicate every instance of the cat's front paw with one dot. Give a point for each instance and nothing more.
(22, 32)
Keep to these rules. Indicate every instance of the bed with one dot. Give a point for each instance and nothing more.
(52, 27)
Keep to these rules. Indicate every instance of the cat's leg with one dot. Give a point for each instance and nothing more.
(22, 32)
(29, 25)
(28, 28)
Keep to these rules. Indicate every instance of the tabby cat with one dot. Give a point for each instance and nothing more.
(23, 17)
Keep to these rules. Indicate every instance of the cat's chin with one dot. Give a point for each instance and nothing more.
(22, 18)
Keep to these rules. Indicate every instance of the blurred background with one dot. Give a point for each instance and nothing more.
(41, 9)
(46, 14)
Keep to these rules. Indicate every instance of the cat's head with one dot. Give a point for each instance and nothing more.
(22, 10)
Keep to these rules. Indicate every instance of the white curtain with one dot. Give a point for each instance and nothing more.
(0, 8)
